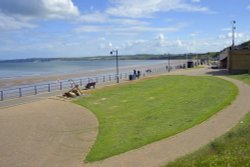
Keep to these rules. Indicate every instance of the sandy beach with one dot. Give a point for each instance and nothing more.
(7, 83)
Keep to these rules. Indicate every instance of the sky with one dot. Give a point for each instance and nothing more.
(79, 28)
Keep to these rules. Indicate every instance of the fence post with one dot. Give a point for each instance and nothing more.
(71, 85)
(60, 85)
(80, 82)
(20, 92)
(48, 87)
(1, 98)
(96, 79)
(109, 77)
(103, 78)
(35, 88)
(88, 80)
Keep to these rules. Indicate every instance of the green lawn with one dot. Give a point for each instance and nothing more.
(232, 149)
(243, 77)
(134, 114)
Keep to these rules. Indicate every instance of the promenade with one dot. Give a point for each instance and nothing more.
(51, 132)
(47, 132)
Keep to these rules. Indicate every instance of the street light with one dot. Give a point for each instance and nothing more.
(233, 32)
(117, 65)
(187, 60)
(169, 63)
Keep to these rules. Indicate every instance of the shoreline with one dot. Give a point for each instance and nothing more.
(31, 80)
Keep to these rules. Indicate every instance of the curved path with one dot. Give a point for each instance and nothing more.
(46, 133)
(166, 150)
(54, 133)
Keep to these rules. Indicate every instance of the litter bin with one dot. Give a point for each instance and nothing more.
(130, 77)
(190, 64)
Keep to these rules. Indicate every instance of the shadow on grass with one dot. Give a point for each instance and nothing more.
(218, 72)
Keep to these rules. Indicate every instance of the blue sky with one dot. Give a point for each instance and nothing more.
(73, 28)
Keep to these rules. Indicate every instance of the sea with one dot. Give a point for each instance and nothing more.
(16, 70)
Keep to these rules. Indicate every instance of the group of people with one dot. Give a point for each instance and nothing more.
(180, 66)
(137, 73)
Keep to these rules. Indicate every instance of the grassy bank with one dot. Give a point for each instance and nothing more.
(242, 77)
(135, 114)
(232, 149)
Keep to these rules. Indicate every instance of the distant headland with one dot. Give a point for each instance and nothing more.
(121, 57)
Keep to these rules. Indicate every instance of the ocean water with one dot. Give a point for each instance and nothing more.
(24, 69)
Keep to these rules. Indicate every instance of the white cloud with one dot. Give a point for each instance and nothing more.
(160, 37)
(110, 44)
(39, 8)
(59, 8)
(229, 35)
(194, 34)
(91, 29)
(124, 21)
(18, 14)
(160, 40)
(12, 23)
(196, 1)
(95, 17)
(226, 29)
(179, 43)
(129, 29)
(98, 17)
(159, 45)
(141, 8)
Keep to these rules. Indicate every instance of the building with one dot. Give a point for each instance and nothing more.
(236, 59)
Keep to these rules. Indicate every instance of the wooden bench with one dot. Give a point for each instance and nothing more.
(90, 84)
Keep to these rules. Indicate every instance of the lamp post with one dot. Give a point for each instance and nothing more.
(187, 60)
(117, 65)
(233, 32)
(169, 63)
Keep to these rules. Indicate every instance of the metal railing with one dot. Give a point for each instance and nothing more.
(35, 89)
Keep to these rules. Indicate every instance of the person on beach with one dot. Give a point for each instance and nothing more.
(134, 72)
(138, 74)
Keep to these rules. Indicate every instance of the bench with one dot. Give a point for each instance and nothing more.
(90, 84)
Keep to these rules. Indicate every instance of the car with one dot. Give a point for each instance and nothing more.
(215, 65)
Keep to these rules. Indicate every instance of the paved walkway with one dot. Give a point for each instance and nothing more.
(54, 133)
(164, 151)
(46, 133)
